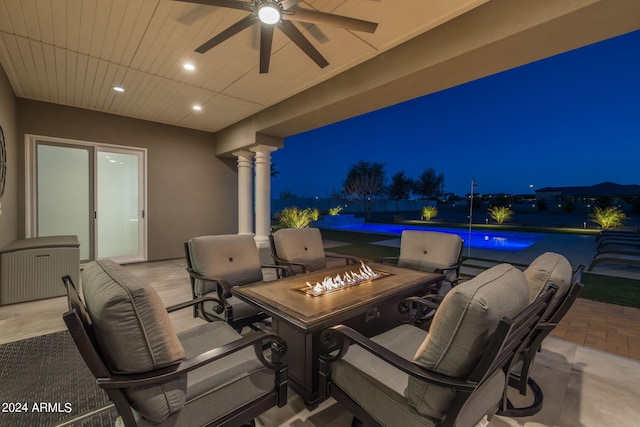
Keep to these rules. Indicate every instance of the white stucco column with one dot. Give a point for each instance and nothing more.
(245, 191)
(263, 193)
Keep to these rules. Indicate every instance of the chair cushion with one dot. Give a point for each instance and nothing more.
(429, 250)
(460, 331)
(548, 269)
(379, 387)
(134, 332)
(232, 257)
(220, 387)
(302, 245)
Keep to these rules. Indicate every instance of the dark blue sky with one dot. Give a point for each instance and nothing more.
(573, 119)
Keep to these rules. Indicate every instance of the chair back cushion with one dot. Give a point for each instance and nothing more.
(302, 245)
(232, 257)
(135, 335)
(548, 269)
(461, 330)
(429, 250)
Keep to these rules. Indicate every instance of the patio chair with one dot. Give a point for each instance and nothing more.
(453, 374)
(630, 260)
(207, 375)
(433, 252)
(218, 263)
(549, 269)
(302, 250)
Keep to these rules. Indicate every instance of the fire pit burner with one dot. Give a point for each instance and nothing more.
(342, 281)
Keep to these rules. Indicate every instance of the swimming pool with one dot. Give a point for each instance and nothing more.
(497, 240)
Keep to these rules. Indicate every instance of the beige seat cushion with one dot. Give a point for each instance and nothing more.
(429, 250)
(134, 333)
(548, 269)
(460, 331)
(302, 245)
(379, 387)
(232, 257)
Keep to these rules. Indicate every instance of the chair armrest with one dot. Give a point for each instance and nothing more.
(347, 258)
(255, 339)
(342, 336)
(388, 259)
(190, 303)
(288, 271)
(428, 305)
(224, 288)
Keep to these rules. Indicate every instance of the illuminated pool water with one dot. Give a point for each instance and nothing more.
(497, 240)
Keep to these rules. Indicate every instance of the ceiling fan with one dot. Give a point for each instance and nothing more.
(281, 14)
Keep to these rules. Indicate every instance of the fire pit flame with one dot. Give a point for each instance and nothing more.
(344, 280)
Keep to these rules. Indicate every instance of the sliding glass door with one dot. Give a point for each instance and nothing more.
(92, 191)
(119, 207)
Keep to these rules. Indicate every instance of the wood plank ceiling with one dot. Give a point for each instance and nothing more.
(73, 52)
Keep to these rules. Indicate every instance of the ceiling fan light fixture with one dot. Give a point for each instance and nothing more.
(269, 12)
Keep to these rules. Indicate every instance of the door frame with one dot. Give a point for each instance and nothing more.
(30, 177)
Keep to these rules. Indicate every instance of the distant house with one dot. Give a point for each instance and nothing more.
(589, 193)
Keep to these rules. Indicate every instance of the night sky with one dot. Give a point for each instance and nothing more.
(573, 119)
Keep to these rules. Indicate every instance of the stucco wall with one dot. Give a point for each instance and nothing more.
(8, 122)
(190, 191)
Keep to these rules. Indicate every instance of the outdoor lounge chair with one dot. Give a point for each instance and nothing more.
(302, 250)
(218, 263)
(431, 251)
(207, 375)
(454, 374)
(614, 258)
(549, 269)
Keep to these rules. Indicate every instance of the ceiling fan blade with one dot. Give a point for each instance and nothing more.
(266, 40)
(230, 4)
(300, 40)
(229, 32)
(316, 17)
(287, 4)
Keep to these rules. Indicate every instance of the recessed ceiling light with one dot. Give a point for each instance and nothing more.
(197, 107)
(118, 89)
(188, 66)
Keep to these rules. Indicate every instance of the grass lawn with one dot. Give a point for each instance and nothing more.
(607, 289)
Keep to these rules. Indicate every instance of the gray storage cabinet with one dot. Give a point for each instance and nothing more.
(32, 269)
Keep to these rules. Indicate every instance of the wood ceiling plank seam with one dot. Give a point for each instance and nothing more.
(147, 11)
(89, 81)
(119, 78)
(72, 32)
(65, 92)
(165, 56)
(5, 21)
(71, 60)
(27, 10)
(145, 102)
(45, 21)
(88, 11)
(106, 90)
(26, 53)
(97, 88)
(13, 72)
(100, 28)
(79, 80)
(138, 85)
(114, 27)
(51, 72)
(60, 25)
(40, 69)
(151, 43)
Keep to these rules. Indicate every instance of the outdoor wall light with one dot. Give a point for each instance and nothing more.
(269, 12)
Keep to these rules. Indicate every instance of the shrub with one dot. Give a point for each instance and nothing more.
(608, 217)
(429, 212)
(335, 211)
(500, 213)
(293, 217)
